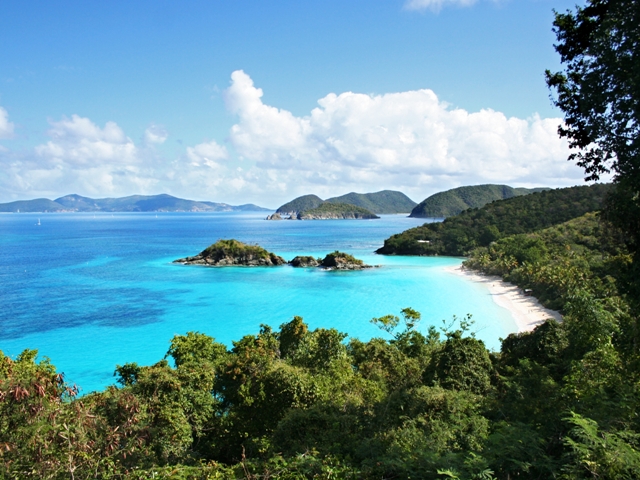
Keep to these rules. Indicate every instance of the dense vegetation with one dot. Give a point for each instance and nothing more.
(234, 248)
(456, 200)
(479, 227)
(383, 202)
(336, 210)
(337, 258)
(582, 252)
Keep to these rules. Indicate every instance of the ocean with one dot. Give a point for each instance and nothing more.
(93, 291)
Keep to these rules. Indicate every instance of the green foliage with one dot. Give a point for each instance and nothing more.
(336, 258)
(463, 363)
(598, 88)
(473, 228)
(234, 248)
(340, 209)
(557, 261)
(195, 347)
(456, 200)
(597, 454)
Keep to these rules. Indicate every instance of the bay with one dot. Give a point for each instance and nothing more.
(93, 291)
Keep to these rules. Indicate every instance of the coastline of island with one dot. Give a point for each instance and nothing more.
(526, 311)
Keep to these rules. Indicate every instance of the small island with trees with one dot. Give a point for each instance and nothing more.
(352, 206)
(226, 253)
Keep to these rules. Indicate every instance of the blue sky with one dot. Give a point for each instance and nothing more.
(248, 101)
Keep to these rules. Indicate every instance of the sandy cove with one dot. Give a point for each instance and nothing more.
(527, 311)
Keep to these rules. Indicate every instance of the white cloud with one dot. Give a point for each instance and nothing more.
(410, 141)
(208, 154)
(78, 142)
(6, 127)
(81, 157)
(435, 5)
(155, 134)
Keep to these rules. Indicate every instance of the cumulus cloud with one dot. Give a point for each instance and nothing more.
(155, 134)
(208, 154)
(435, 5)
(6, 127)
(78, 142)
(411, 141)
(81, 157)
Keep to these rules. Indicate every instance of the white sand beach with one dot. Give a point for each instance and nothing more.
(526, 311)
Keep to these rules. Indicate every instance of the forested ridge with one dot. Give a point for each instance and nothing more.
(476, 227)
(452, 202)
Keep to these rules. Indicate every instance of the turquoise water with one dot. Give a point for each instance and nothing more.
(90, 292)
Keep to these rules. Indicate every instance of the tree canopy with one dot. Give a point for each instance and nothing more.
(599, 92)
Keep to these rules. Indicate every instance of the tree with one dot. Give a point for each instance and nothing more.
(599, 93)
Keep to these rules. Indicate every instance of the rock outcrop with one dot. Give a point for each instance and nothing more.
(342, 261)
(275, 216)
(232, 252)
(304, 261)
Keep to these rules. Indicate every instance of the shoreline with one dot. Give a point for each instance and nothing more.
(527, 312)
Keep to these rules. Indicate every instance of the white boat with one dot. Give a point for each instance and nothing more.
(38, 222)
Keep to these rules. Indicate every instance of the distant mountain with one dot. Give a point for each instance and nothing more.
(386, 201)
(300, 204)
(452, 202)
(134, 203)
(36, 205)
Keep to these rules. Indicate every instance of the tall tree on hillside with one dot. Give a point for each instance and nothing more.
(599, 92)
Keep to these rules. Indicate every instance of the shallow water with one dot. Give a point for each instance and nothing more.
(92, 291)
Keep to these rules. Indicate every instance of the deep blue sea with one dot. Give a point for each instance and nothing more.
(92, 291)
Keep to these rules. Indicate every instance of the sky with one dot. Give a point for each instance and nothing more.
(247, 101)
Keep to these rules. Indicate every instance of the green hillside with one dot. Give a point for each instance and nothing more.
(454, 201)
(384, 202)
(329, 210)
(479, 227)
(300, 204)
